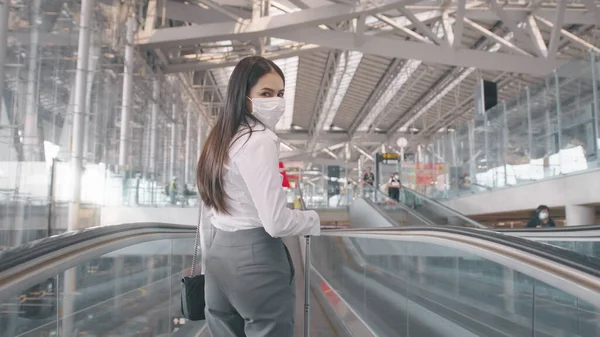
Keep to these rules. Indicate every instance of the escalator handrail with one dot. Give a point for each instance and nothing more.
(565, 229)
(32, 263)
(580, 277)
(405, 208)
(583, 263)
(26, 253)
(448, 209)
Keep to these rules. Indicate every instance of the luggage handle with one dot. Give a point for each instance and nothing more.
(307, 287)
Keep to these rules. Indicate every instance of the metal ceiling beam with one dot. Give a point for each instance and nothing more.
(390, 47)
(195, 14)
(421, 27)
(505, 43)
(448, 31)
(265, 26)
(298, 50)
(572, 16)
(392, 23)
(513, 25)
(215, 6)
(536, 36)
(570, 36)
(340, 137)
(459, 22)
(555, 35)
(592, 9)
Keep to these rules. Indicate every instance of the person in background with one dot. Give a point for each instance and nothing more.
(368, 180)
(394, 186)
(541, 218)
(173, 191)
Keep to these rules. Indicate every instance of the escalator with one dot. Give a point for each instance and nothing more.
(413, 209)
(123, 280)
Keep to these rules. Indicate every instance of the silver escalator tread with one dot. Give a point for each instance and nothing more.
(320, 325)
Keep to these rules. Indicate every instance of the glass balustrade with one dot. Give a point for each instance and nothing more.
(427, 289)
(133, 291)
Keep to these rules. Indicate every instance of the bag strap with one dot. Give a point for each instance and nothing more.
(197, 240)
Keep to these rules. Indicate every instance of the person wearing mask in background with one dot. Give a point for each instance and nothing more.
(394, 186)
(368, 181)
(541, 218)
(249, 274)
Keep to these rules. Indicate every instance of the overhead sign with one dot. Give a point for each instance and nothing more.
(388, 158)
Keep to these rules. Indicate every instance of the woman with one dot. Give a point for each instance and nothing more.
(394, 186)
(541, 218)
(249, 273)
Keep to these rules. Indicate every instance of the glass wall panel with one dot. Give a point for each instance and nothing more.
(548, 129)
(38, 182)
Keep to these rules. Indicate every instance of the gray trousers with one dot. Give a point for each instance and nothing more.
(250, 288)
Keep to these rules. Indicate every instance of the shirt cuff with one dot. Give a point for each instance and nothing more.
(314, 223)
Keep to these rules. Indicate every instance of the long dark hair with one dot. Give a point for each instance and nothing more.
(215, 153)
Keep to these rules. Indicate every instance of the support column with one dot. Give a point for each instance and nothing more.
(108, 114)
(89, 116)
(558, 119)
(578, 215)
(3, 42)
(505, 142)
(529, 125)
(30, 134)
(153, 124)
(595, 111)
(127, 93)
(201, 136)
(165, 149)
(83, 50)
(8, 151)
(472, 161)
(188, 145)
(174, 144)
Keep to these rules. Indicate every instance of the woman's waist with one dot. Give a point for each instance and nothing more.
(242, 237)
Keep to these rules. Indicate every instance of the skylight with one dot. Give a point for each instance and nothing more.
(402, 78)
(407, 70)
(343, 76)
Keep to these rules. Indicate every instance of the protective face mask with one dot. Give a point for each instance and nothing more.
(543, 216)
(268, 110)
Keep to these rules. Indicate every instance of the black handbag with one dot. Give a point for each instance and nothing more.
(192, 287)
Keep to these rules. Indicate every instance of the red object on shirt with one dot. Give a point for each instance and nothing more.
(285, 181)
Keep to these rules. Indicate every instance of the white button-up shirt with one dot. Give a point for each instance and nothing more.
(255, 196)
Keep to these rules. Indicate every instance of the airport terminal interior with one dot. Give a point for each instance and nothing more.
(450, 147)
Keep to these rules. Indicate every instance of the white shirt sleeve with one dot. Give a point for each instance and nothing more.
(207, 235)
(258, 164)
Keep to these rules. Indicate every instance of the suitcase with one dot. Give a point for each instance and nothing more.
(307, 288)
